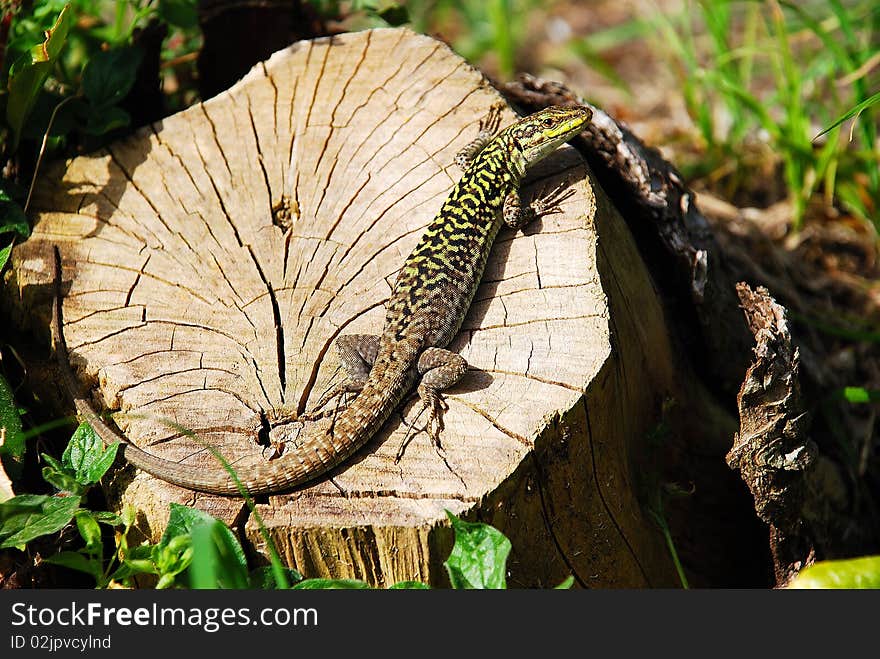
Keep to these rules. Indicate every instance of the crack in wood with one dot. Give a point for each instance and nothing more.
(533, 321)
(279, 328)
(338, 100)
(601, 495)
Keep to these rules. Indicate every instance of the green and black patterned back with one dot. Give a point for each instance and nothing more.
(437, 282)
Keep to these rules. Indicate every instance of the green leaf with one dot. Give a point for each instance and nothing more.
(12, 448)
(177, 548)
(86, 457)
(409, 585)
(567, 583)
(29, 73)
(103, 120)
(218, 559)
(852, 112)
(181, 521)
(331, 584)
(109, 76)
(13, 219)
(76, 561)
(106, 517)
(63, 481)
(29, 516)
(52, 462)
(263, 578)
(4, 254)
(90, 531)
(180, 13)
(170, 559)
(860, 395)
(130, 568)
(853, 573)
(392, 13)
(479, 556)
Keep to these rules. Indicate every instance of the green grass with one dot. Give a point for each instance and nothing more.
(478, 29)
(782, 71)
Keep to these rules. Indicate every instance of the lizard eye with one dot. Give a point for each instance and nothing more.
(548, 122)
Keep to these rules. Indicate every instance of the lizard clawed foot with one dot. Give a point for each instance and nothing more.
(434, 426)
(489, 126)
(281, 415)
(491, 123)
(551, 203)
(317, 413)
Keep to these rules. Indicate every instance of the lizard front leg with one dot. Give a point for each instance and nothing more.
(440, 369)
(517, 214)
(489, 126)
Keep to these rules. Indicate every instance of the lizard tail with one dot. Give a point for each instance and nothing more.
(318, 453)
(315, 455)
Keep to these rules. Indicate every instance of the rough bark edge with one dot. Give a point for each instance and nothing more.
(771, 450)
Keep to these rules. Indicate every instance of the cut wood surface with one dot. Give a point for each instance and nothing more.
(211, 259)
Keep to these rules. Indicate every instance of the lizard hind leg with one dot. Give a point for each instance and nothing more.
(357, 352)
(440, 369)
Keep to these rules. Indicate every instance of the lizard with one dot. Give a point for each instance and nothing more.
(428, 303)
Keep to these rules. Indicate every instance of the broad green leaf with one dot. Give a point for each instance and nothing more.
(181, 521)
(29, 516)
(392, 13)
(103, 120)
(86, 457)
(853, 573)
(218, 560)
(180, 13)
(128, 515)
(109, 75)
(479, 556)
(76, 561)
(30, 72)
(176, 549)
(13, 445)
(263, 578)
(137, 560)
(409, 585)
(331, 584)
(141, 552)
(130, 568)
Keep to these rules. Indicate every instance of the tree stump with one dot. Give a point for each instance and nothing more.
(211, 259)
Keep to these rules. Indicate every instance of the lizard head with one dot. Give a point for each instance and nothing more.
(540, 133)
